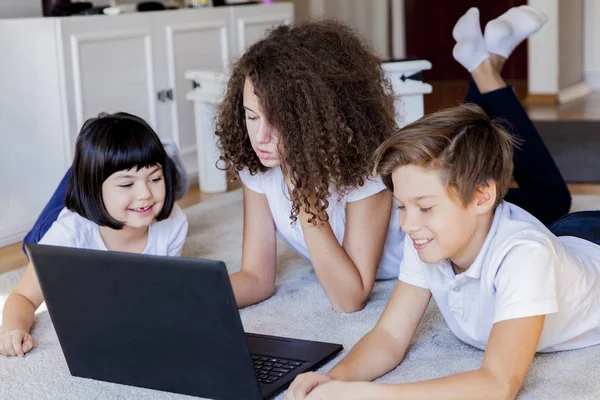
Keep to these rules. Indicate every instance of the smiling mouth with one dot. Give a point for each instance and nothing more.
(422, 241)
(142, 209)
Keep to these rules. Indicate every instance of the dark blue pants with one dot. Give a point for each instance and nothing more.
(49, 213)
(542, 190)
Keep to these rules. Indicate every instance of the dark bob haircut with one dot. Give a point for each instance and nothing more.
(108, 144)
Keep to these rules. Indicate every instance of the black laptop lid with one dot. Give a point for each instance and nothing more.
(121, 318)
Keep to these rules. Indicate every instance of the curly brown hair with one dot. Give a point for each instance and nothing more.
(323, 90)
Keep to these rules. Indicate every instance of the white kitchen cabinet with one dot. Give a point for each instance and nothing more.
(57, 72)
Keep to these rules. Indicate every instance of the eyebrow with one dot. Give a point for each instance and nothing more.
(419, 197)
(249, 109)
(133, 176)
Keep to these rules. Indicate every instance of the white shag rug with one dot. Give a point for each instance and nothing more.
(298, 309)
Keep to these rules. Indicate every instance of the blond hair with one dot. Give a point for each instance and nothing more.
(469, 149)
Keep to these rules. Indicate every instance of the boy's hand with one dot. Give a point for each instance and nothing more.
(304, 384)
(15, 342)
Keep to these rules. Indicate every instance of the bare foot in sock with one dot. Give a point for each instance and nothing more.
(505, 33)
(470, 48)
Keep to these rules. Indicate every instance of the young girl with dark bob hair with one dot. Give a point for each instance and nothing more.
(120, 196)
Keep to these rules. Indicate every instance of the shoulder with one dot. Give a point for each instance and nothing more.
(69, 229)
(514, 228)
(176, 220)
(256, 182)
(519, 245)
(372, 185)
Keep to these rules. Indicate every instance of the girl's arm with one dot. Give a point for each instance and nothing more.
(18, 314)
(347, 272)
(510, 350)
(379, 351)
(255, 281)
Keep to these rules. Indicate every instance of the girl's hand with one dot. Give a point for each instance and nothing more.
(15, 342)
(304, 383)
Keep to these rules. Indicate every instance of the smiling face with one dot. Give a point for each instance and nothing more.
(135, 197)
(262, 135)
(440, 226)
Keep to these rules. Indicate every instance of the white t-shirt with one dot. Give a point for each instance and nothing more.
(522, 270)
(272, 184)
(165, 238)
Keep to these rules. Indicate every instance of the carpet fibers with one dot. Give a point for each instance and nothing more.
(298, 309)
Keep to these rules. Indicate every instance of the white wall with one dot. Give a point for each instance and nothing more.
(591, 43)
(368, 17)
(570, 43)
(20, 8)
(542, 62)
(556, 52)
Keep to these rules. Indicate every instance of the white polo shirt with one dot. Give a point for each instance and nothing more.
(522, 270)
(272, 184)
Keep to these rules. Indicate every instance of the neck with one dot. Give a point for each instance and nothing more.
(127, 239)
(463, 259)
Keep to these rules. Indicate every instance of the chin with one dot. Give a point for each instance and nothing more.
(270, 163)
(431, 258)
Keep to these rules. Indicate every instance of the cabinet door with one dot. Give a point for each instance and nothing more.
(252, 22)
(188, 40)
(32, 144)
(108, 63)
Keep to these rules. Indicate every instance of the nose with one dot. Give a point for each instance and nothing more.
(263, 134)
(143, 191)
(410, 221)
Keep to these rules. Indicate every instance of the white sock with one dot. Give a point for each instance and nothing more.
(505, 33)
(470, 50)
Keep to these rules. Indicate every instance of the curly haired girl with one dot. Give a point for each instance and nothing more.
(305, 109)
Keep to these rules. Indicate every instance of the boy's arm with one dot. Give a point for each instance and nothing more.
(510, 350)
(382, 349)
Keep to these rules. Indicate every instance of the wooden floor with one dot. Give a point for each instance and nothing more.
(587, 108)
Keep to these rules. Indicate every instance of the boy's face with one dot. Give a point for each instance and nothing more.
(439, 225)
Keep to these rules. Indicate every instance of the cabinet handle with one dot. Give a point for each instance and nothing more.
(165, 95)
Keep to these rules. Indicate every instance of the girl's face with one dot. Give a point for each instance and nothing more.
(133, 197)
(263, 137)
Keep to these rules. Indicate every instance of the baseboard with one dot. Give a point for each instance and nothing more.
(541, 99)
(573, 92)
(14, 234)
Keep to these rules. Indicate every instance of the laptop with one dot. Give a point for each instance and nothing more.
(165, 323)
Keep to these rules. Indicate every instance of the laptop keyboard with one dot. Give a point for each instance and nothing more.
(269, 369)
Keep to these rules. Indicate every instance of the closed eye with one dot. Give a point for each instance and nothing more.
(426, 209)
(127, 185)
